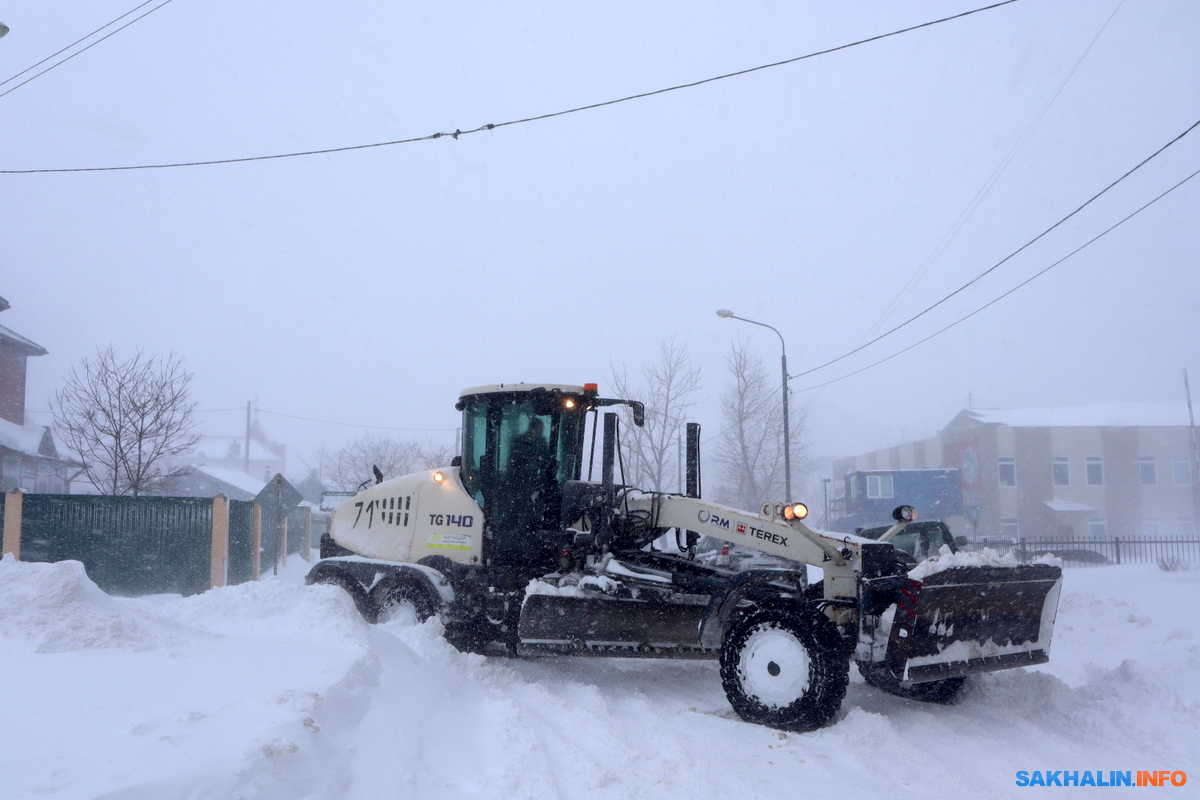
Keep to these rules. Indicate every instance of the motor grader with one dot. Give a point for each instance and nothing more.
(518, 554)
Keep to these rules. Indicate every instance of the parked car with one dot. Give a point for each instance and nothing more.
(920, 539)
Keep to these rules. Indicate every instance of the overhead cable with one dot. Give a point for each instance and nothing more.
(1002, 261)
(988, 184)
(990, 303)
(352, 425)
(962, 319)
(81, 50)
(492, 126)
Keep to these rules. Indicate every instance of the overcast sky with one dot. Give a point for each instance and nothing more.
(828, 198)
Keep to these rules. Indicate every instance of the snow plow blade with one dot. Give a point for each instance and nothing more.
(965, 620)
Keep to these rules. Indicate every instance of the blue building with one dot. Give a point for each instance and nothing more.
(869, 496)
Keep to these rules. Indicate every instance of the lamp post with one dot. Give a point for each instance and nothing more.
(825, 520)
(787, 434)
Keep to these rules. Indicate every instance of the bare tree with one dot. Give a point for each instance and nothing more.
(750, 448)
(122, 418)
(346, 468)
(668, 387)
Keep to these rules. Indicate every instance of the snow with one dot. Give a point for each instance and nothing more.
(276, 690)
(25, 438)
(1069, 505)
(233, 477)
(987, 557)
(1100, 415)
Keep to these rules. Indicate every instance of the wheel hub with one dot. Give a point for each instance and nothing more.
(774, 667)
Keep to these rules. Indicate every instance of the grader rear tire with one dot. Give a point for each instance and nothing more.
(785, 667)
(943, 692)
(402, 599)
(334, 576)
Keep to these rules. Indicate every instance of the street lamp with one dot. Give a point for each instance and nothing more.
(3, 29)
(787, 434)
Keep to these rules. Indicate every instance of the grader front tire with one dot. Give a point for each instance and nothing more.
(785, 667)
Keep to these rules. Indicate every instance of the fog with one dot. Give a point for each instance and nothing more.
(832, 198)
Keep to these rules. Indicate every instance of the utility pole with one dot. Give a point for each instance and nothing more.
(787, 434)
(1192, 423)
(246, 455)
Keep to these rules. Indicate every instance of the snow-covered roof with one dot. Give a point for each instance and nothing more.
(25, 438)
(519, 387)
(1104, 415)
(23, 344)
(331, 500)
(1068, 505)
(240, 480)
(217, 448)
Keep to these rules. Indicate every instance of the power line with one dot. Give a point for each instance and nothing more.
(491, 126)
(83, 50)
(1010, 291)
(990, 182)
(1002, 261)
(352, 425)
(959, 321)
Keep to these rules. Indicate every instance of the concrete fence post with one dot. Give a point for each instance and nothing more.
(13, 501)
(307, 554)
(219, 560)
(256, 542)
(283, 532)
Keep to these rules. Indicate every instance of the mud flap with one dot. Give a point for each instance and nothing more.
(965, 620)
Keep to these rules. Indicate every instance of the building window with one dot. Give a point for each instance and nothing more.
(1062, 471)
(1097, 529)
(1007, 468)
(1010, 529)
(1149, 466)
(879, 486)
(1150, 527)
(1181, 468)
(1095, 471)
(1184, 526)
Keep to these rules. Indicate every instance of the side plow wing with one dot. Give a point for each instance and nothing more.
(964, 620)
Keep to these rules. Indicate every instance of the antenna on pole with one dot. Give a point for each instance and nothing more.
(1192, 419)
(246, 455)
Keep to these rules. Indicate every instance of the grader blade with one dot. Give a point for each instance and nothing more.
(964, 620)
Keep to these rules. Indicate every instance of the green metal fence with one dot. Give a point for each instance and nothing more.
(295, 542)
(129, 545)
(241, 538)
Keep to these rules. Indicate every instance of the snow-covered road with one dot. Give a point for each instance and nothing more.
(278, 690)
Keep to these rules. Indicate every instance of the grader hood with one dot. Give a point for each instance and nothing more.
(965, 619)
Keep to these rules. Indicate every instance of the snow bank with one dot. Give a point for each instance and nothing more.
(277, 691)
(57, 608)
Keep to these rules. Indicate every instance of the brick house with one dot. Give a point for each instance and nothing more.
(29, 454)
